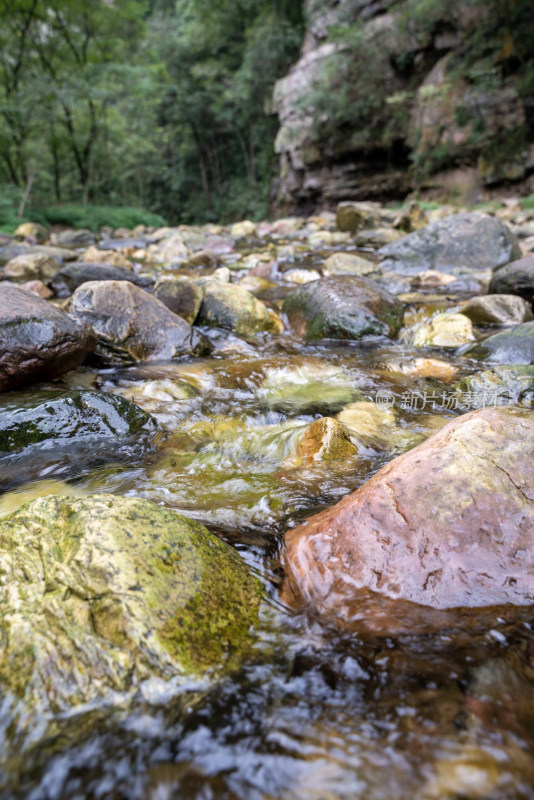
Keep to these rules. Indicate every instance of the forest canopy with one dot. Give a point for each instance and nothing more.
(146, 103)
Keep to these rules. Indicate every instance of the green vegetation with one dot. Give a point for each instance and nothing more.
(528, 202)
(371, 85)
(139, 104)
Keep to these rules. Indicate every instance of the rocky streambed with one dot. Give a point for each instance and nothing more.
(267, 510)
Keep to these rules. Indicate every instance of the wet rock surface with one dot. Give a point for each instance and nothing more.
(36, 339)
(513, 346)
(131, 325)
(70, 277)
(343, 308)
(472, 550)
(381, 696)
(99, 593)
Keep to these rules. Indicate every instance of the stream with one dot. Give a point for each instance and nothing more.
(314, 713)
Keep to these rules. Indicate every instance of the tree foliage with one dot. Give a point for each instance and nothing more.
(155, 103)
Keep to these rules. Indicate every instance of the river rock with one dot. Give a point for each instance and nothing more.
(101, 593)
(343, 307)
(471, 240)
(368, 423)
(70, 277)
(351, 216)
(181, 295)
(347, 264)
(131, 325)
(515, 278)
(443, 330)
(169, 251)
(80, 238)
(31, 266)
(497, 309)
(513, 346)
(31, 230)
(38, 288)
(95, 256)
(324, 440)
(450, 524)
(37, 340)
(235, 309)
(501, 386)
(242, 230)
(30, 420)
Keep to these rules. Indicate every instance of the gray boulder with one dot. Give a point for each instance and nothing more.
(472, 241)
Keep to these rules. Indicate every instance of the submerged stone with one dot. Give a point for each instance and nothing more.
(324, 440)
(305, 389)
(100, 593)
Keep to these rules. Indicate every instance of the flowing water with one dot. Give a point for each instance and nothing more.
(314, 714)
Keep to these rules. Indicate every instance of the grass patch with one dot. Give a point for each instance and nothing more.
(528, 202)
(96, 217)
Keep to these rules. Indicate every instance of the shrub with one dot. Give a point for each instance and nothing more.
(97, 217)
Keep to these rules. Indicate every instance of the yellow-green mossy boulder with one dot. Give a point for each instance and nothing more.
(99, 593)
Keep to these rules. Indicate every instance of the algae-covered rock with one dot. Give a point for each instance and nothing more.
(306, 388)
(324, 440)
(444, 330)
(513, 346)
(501, 386)
(343, 307)
(101, 592)
(180, 295)
(27, 419)
(235, 309)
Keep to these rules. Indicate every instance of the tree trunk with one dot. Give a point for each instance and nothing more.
(27, 192)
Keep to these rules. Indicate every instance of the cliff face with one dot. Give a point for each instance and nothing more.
(395, 95)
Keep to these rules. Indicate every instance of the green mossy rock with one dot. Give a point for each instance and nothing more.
(100, 593)
(501, 386)
(343, 307)
(28, 419)
(235, 309)
(513, 346)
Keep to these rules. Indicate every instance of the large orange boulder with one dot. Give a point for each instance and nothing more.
(448, 525)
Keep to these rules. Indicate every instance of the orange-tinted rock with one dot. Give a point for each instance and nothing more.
(448, 525)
